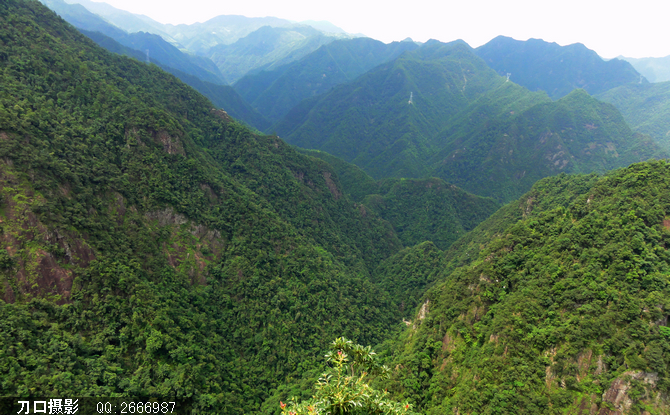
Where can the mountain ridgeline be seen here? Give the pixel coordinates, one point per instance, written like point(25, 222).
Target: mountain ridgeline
point(267, 47)
point(646, 108)
point(557, 70)
point(441, 111)
point(198, 72)
point(654, 69)
point(371, 122)
point(275, 92)
point(151, 45)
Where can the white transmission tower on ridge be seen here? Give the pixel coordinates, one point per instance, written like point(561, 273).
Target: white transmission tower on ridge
point(508, 75)
point(411, 94)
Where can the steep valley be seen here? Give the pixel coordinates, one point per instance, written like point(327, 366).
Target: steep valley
point(503, 252)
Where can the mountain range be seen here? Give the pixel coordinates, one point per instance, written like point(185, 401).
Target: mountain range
point(132, 209)
point(441, 111)
point(646, 108)
point(274, 92)
point(503, 248)
point(557, 70)
point(266, 47)
point(237, 44)
point(152, 46)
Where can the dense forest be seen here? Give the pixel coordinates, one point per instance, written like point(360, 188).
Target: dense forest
point(646, 108)
point(152, 246)
point(557, 70)
point(464, 124)
point(556, 304)
point(155, 247)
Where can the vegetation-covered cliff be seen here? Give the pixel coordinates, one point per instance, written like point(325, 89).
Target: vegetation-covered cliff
point(560, 305)
point(152, 246)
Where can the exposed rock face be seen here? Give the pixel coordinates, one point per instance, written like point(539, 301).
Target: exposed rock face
point(40, 260)
point(171, 145)
point(206, 243)
point(583, 364)
point(222, 114)
point(422, 314)
point(448, 342)
point(424, 310)
point(166, 217)
point(171, 142)
point(331, 185)
point(617, 396)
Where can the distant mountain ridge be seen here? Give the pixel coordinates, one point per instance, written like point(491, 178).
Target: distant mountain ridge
point(221, 30)
point(557, 70)
point(274, 92)
point(196, 71)
point(222, 96)
point(152, 44)
point(465, 124)
point(360, 120)
point(127, 21)
point(646, 108)
point(654, 69)
point(226, 39)
point(266, 48)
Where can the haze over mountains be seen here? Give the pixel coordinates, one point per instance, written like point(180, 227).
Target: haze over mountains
point(501, 241)
point(654, 69)
point(557, 70)
point(465, 124)
point(276, 91)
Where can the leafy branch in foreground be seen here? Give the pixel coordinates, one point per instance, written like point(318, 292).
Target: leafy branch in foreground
point(345, 386)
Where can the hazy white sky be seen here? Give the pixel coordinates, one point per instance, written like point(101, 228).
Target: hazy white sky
point(634, 29)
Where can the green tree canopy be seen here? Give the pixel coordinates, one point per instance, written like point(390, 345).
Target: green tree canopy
point(345, 387)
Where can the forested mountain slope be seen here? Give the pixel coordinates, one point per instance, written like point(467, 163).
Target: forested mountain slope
point(557, 70)
point(503, 156)
point(274, 92)
point(418, 209)
point(646, 108)
point(465, 125)
point(170, 56)
point(226, 98)
point(194, 71)
point(562, 306)
point(158, 245)
point(370, 121)
point(428, 210)
point(151, 45)
point(222, 96)
point(125, 20)
point(266, 48)
point(355, 182)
